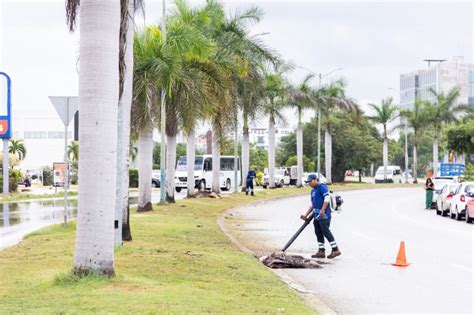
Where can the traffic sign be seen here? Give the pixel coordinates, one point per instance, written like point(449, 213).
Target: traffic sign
point(66, 107)
point(5, 106)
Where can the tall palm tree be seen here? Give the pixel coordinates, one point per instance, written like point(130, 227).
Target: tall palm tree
point(98, 98)
point(122, 208)
point(444, 110)
point(145, 111)
point(274, 103)
point(385, 113)
point(73, 151)
point(251, 93)
point(331, 98)
point(418, 119)
point(301, 98)
point(17, 147)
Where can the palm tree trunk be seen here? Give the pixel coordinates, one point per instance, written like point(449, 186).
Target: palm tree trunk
point(98, 99)
point(271, 151)
point(122, 208)
point(435, 155)
point(299, 151)
point(328, 154)
point(190, 157)
point(145, 167)
point(415, 161)
point(385, 158)
point(216, 165)
point(170, 167)
point(245, 154)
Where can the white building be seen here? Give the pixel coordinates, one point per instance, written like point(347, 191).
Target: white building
point(43, 139)
point(441, 77)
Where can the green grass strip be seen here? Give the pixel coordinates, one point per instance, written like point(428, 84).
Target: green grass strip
point(179, 262)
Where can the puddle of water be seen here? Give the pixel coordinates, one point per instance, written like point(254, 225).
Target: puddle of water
point(19, 219)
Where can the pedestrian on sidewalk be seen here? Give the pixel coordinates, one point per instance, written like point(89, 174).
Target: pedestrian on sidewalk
point(429, 186)
point(249, 182)
point(320, 206)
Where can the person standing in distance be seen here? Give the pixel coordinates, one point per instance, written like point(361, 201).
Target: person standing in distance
point(320, 206)
point(249, 182)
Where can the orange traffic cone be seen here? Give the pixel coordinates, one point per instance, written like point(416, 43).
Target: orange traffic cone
point(401, 257)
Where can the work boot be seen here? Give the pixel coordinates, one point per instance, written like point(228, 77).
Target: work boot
point(335, 252)
point(246, 192)
point(251, 193)
point(320, 254)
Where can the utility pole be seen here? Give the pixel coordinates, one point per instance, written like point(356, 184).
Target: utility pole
point(163, 122)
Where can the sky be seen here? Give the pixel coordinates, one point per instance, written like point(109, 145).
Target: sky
point(372, 41)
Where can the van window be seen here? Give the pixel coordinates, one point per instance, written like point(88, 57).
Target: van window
point(208, 164)
point(396, 172)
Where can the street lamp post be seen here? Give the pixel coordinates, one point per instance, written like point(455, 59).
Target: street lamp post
point(163, 124)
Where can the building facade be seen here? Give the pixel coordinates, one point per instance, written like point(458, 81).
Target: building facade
point(441, 77)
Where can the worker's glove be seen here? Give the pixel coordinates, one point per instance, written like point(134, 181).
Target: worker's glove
point(303, 217)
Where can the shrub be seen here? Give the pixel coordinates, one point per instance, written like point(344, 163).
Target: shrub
point(47, 176)
point(259, 179)
point(15, 177)
point(133, 177)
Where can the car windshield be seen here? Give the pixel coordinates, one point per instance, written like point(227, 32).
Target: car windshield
point(453, 188)
point(183, 164)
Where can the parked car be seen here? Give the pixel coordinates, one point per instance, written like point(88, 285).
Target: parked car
point(282, 177)
point(470, 207)
point(439, 183)
point(444, 198)
point(458, 204)
point(393, 175)
point(155, 179)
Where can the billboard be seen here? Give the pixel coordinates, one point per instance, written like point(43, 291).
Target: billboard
point(59, 174)
point(5, 106)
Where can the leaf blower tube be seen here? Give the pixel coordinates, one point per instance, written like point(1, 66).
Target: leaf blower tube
point(295, 236)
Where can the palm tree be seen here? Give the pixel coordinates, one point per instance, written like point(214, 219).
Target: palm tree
point(274, 103)
point(144, 112)
point(122, 208)
point(300, 97)
point(418, 119)
point(385, 113)
point(73, 151)
point(443, 111)
point(331, 98)
point(98, 98)
point(17, 147)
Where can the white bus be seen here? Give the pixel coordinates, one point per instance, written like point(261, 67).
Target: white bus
point(203, 172)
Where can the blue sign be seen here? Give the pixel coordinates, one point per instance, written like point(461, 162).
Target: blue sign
point(452, 169)
point(5, 106)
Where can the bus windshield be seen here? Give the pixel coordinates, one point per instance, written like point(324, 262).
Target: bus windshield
point(183, 164)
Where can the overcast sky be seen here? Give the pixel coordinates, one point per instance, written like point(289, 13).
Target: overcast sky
point(373, 41)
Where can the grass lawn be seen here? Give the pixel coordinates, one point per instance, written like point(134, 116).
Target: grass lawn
point(178, 262)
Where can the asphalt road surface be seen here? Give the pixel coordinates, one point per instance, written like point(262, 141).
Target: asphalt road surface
point(369, 229)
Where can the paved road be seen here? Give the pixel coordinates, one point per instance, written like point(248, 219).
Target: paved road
point(440, 278)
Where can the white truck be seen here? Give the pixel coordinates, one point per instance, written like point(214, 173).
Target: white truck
point(282, 177)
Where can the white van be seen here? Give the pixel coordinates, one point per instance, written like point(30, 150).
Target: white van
point(203, 172)
point(394, 175)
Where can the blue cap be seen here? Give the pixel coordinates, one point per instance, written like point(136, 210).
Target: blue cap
point(311, 177)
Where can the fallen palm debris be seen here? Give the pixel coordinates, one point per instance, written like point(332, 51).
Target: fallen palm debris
point(282, 260)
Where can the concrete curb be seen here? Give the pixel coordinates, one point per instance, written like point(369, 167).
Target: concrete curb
point(309, 297)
